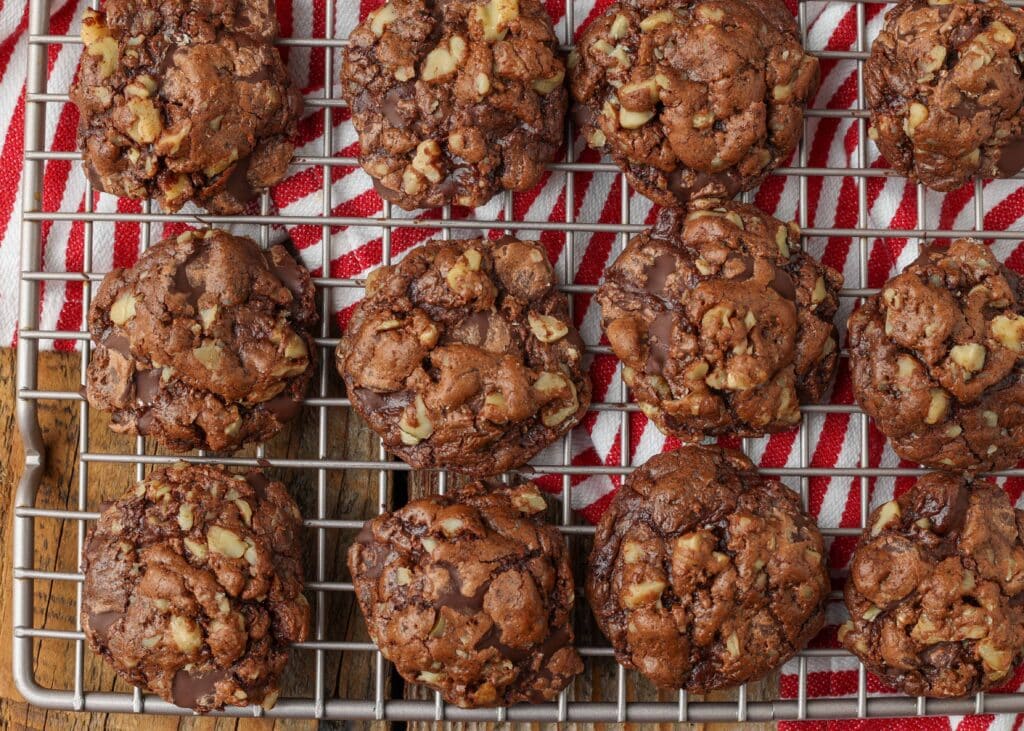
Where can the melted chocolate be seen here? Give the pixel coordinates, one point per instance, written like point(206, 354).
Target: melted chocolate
point(966, 108)
point(699, 181)
point(456, 599)
point(374, 555)
point(188, 690)
point(373, 401)
point(657, 273)
point(147, 386)
point(739, 268)
point(555, 642)
point(949, 517)
point(391, 108)
point(145, 422)
point(238, 185)
point(292, 275)
point(493, 639)
point(183, 283)
point(783, 284)
point(101, 622)
point(667, 225)
point(283, 408)
point(659, 335)
point(118, 343)
point(259, 483)
point(964, 32)
point(1011, 157)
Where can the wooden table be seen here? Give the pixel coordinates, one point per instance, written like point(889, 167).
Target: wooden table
point(349, 495)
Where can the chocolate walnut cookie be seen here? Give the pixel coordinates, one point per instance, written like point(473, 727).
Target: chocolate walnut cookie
point(944, 85)
point(693, 99)
point(204, 343)
point(937, 360)
point(936, 589)
point(704, 574)
point(722, 323)
point(471, 594)
point(463, 356)
point(193, 586)
point(455, 101)
point(184, 100)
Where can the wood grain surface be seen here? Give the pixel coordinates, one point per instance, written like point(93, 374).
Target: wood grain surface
point(351, 494)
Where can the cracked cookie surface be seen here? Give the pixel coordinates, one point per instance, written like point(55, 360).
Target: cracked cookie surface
point(722, 323)
point(936, 589)
point(704, 574)
point(193, 586)
point(183, 100)
point(937, 360)
point(463, 356)
point(944, 85)
point(693, 100)
point(204, 343)
point(471, 594)
point(455, 101)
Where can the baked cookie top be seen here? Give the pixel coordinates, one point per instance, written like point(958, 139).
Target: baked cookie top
point(193, 586)
point(471, 594)
point(463, 356)
point(204, 343)
point(455, 101)
point(945, 90)
point(704, 574)
point(694, 100)
point(937, 360)
point(936, 588)
point(722, 323)
point(184, 100)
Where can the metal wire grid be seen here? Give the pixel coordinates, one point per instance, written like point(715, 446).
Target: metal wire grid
point(379, 706)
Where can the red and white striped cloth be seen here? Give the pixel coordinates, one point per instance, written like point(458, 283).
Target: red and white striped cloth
point(832, 202)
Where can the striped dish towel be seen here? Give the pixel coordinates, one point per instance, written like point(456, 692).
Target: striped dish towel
point(832, 202)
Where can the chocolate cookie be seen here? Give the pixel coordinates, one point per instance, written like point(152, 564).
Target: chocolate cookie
point(455, 101)
point(463, 356)
point(471, 594)
point(722, 323)
point(193, 586)
point(945, 90)
point(936, 589)
point(937, 360)
point(704, 574)
point(183, 100)
point(695, 98)
point(204, 343)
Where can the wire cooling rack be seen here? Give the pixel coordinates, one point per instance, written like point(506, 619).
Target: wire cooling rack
point(612, 704)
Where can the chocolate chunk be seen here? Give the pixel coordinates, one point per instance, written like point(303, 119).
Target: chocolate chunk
point(147, 385)
point(204, 569)
point(1011, 157)
point(704, 574)
point(470, 594)
point(195, 691)
point(101, 622)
